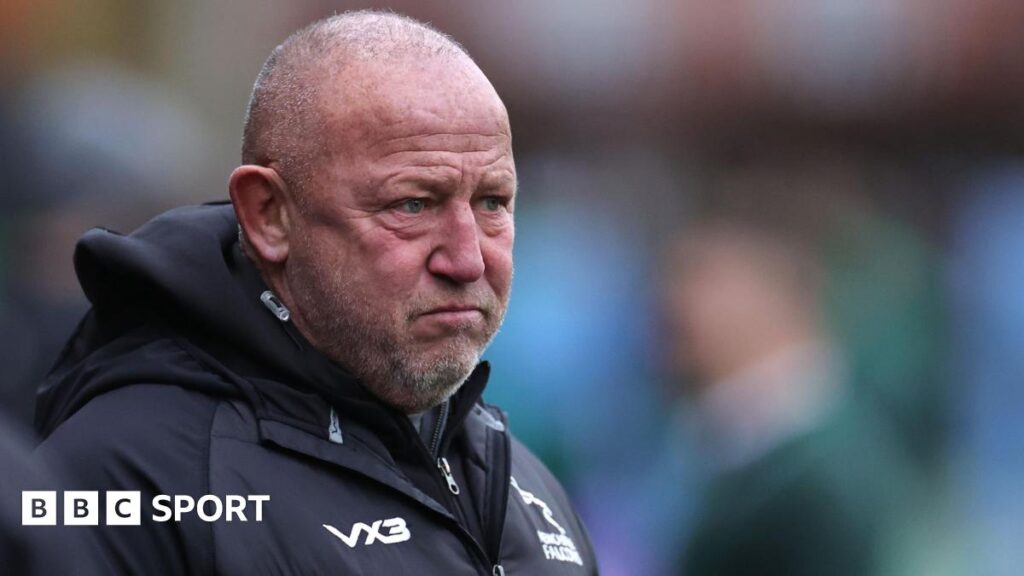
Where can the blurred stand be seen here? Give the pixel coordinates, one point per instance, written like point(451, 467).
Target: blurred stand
point(987, 278)
point(100, 146)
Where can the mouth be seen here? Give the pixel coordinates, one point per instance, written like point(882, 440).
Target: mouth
point(454, 310)
point(454, 313)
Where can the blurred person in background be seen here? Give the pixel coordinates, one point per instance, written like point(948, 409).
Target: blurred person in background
point(84, 140)
point(97, 143)
point(808, 478)
point(17, 387)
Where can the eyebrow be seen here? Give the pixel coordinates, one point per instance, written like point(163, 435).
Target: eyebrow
point(426, 175)
point(443, 179)
point(503, 179)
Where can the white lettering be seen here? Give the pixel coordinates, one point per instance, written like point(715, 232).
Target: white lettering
point(160, 503)
point(38, 508)
point(124, 508)
point(559, 547)
point(397, 531)
point(81, 508)
point(201, 508)
point(259, 500)
point(563, 553)
point(183, 504)
point(234, 505)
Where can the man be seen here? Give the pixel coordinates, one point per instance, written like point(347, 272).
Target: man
point(319, 354)
point(806, 476)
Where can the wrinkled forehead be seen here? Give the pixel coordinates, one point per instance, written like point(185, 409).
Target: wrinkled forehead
point(374, 103)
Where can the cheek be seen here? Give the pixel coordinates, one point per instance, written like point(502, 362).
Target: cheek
point(497, 254)
point(392, 265)
point(319, 250)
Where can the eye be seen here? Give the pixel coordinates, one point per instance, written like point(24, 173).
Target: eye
point(412, 205)
point(493, 203)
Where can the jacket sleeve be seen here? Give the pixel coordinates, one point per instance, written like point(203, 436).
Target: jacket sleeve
point(151, 439)
point(29, 550)
point(588, 548)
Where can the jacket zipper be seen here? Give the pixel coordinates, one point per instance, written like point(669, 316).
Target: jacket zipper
point(446, 472)
point(442, 421)
point(496, 530)
point(435, 445)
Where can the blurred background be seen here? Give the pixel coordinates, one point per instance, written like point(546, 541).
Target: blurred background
point(769, 303)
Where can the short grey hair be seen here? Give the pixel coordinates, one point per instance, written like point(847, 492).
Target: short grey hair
point(283, 117)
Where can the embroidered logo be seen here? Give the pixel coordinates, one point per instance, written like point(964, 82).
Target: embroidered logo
point(334, 430)
point(556, 545)
point(394, 531)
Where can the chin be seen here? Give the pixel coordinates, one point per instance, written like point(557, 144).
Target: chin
point(448, 369)
point(415, 384)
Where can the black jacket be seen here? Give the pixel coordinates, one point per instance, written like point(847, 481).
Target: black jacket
point(180, 381)
point(30, 550)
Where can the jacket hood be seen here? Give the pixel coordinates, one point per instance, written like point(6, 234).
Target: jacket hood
point(177, 302)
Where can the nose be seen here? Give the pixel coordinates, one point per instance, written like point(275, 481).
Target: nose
point(457, 255)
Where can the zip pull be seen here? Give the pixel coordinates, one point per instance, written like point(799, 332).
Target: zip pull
point(498, 570)
point(275, 306)
point(446, 471)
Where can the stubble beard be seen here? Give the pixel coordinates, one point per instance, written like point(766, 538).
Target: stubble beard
point(368, 342)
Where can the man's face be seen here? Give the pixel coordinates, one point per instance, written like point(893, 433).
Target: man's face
point(732, 294)
point(400, 258)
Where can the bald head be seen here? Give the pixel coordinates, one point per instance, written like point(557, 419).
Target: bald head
point(334, 57)
point(376, 199)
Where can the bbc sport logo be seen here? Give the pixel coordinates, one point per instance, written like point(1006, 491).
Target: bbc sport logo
point(124, 508)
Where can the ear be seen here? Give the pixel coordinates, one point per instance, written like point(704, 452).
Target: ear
point(262, 207)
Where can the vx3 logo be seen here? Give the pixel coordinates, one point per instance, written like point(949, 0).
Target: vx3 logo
point(396, 529)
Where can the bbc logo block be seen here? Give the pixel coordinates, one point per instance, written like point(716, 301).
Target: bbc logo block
point(125, 508)
point(81, 508)
point(38, 508)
